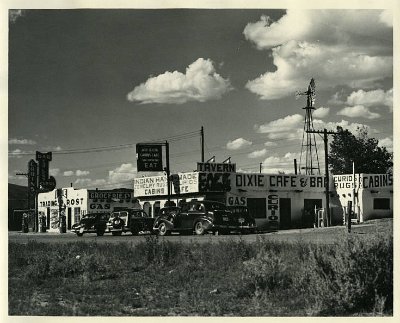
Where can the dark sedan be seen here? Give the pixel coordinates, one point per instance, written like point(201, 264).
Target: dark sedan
point(91, 223)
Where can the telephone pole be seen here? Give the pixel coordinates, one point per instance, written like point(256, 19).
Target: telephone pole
point(325, 133)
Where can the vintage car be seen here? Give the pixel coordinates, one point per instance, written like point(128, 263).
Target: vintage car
point(247, 223)
point(200, 217)
point(91, 223)
point(130, 220)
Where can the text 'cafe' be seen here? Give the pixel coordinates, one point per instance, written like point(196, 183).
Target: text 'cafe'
point(290, 199)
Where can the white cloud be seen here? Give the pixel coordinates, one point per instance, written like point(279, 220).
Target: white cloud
point(340, 47)
point(358, 111)
point(54, 171)
point(257, 153)
point(275, 164)
point(386, 17)
point(68, 173)
point(371, 98)
point(270, 144)
point(82, 173)
point(14, 14)
point(15, 141)
point(238, 143)
point(386, 142)
point(289, 127)
point(352, 127)
point(321, 112)
point(122, 174)
point(199, 83)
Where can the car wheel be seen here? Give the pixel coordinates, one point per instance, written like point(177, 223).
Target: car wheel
point(79, 234)
point(100, 233)
point(162, 229)
point(199, 228)
point(116, 233)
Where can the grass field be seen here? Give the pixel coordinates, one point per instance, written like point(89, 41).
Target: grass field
point(351, 275)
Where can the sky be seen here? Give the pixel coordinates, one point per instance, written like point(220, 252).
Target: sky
point(89, 84)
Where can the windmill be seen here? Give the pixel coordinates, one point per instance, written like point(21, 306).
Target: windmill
point(308, 145)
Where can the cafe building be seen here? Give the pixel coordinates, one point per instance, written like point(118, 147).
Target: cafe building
point(291, 200)
point(75, 203)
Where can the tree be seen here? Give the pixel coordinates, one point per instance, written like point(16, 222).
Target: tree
point(368, 157)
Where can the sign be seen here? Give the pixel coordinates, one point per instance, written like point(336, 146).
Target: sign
point(32, 182)
point(110, 195)
point(273, 208)
point(43, 159)
point(157, 185)
point(216, 167)
point(226, 182)
point(149, 158)
point(363, 181)
point(48, 185)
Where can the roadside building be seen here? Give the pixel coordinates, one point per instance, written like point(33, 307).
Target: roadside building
point(289, 200)
point(370, 194)
point(77, 202)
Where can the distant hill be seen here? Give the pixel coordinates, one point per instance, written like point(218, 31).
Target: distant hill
point(17, 192)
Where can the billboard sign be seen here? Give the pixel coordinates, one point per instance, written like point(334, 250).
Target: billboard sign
point(149, 157)
point(157, 185)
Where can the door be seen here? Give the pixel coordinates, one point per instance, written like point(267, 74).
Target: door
point(308, 218)
point(285, 210)
point(48, 218)
point(257, 207)
point(69, 218)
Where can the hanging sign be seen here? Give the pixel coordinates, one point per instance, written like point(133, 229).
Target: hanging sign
point(149, 158)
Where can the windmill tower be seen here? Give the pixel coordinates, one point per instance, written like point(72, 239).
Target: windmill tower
point(309, 150)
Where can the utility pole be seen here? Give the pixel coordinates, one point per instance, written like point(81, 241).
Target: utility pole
point(202, 144)
point(260, 167)
point(325, 133)
point(168, 171)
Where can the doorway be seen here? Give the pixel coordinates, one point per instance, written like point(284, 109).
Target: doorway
point(285, 208)
point(308, 217)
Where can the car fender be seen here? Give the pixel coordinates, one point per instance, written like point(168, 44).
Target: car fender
point(169, 224)
point(206, 222)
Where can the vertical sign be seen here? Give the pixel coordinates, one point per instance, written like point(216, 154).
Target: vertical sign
point(149, 158)
point(32, 182)
point(273, 210)
point(46, 183)
point(43, 159)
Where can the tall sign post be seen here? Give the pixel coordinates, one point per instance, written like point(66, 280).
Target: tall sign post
point(149, 159)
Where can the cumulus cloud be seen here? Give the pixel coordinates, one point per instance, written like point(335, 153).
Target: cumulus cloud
point(200, 83)
point(275, 164)
point(340, 47)
point(90, 183)
point(321, 112)
point(54, 171)
point(68, 173)
point(386, 142)
point(15, 141)
point(122, 174)
point(238, 144)
point(288, 127)
point(14, 14)
point(270, 144)
point(82, 173)
point(358, 111)
point(257, 153)
point(351, 126)
point(371, 98)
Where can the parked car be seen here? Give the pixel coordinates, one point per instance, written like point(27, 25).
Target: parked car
point(130, 220)
point(91, 223)
point(200, 217)
point(247, 223)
